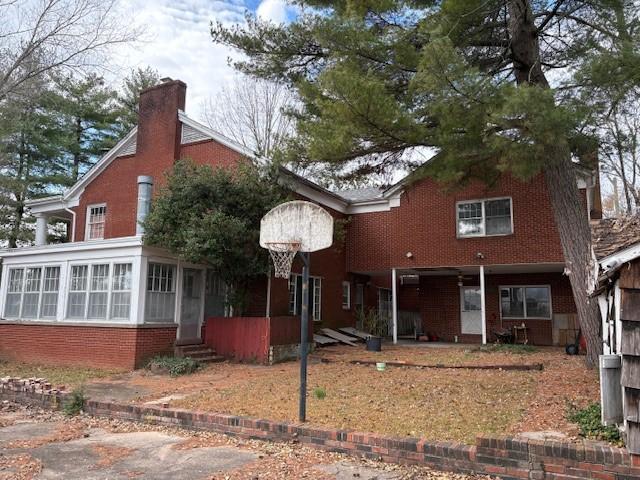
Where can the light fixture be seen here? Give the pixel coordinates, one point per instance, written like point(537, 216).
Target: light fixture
point(409, 255)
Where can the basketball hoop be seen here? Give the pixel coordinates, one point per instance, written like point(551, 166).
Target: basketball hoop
point(282, 254)
point(285, 230)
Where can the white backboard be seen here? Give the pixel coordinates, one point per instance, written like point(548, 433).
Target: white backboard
point(303, 222)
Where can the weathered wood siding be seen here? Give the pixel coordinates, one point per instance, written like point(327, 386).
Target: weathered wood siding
point(630, 348)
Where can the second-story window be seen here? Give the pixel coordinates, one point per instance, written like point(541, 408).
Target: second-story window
point(96, 217)
point(484, 217)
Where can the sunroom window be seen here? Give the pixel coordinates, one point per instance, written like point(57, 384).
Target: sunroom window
point(484, 217)
point(32, 292)
point(76, 304)
point(525, 302)
point(161, 293)
point(121, 291)
point(99, 293)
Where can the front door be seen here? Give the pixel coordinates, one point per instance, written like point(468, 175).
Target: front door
point(191, 304)
point(470, 311)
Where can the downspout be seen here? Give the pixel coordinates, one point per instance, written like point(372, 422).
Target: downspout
point(73, 220)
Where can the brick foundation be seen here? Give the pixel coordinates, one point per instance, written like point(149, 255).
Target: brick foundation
point(505, 457)
point(123, 348)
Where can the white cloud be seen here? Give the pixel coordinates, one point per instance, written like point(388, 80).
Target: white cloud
point(276, 11)
point(177, 43)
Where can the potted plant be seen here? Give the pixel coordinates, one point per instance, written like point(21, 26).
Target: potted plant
point(376, 326)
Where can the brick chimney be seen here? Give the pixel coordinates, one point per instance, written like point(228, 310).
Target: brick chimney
point(159, 130)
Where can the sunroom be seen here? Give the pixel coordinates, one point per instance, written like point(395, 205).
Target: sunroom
point(115, 282)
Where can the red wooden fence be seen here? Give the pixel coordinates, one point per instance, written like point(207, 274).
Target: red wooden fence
point(249, 338)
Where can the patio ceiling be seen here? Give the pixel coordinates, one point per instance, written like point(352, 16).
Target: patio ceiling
point(473, 270)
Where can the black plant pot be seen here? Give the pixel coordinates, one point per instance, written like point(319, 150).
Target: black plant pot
point(374, 344)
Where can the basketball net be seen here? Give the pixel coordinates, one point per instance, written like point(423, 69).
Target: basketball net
point(282, 254)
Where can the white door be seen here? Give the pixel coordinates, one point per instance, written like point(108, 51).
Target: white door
point(191, 304)
point(470, 311)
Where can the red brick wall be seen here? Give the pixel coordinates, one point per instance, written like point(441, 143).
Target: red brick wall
point(425, 224)
point(99, 347)
point(440, 305)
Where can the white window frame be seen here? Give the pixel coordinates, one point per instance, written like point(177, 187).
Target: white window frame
point(526, 317)
point(42, 291)
point(43, 267)
point(316, 308)
point(347, 305)
point(87, 226)
point(176, 277)
point(113, 290)
point(482, 202)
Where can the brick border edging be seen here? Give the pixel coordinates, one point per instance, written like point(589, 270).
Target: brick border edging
point(503, 456)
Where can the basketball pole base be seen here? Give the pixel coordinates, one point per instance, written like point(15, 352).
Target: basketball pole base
point(304, 334)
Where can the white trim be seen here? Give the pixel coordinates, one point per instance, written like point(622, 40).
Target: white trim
point(76, 190)
point(524, 300)
point(87, 219)
point(218, 137)
point(615, 260)
point(484, 218)
point(110, 243)
point(346, 306)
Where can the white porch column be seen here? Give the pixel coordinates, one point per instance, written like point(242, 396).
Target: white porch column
point(483, 306)
point(394, 302)
point(41, 229)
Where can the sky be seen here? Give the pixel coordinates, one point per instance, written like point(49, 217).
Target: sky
point(177, 43)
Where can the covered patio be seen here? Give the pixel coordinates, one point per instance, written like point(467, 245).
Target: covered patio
point(472, 303)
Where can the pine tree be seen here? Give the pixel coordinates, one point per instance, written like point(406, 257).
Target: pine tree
point(469, 78)
point(87, 113)
point(129, 97)
point(31, 159)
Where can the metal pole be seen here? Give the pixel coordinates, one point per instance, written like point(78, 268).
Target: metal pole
point(483, 306)
point(304, 333)
point(394, 296)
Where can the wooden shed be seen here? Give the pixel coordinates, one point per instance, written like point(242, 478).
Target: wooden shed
point(617, 247)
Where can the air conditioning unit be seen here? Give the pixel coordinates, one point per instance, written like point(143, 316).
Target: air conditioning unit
point(409, 279)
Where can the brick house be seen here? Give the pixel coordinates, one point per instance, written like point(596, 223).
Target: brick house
point(459, 265)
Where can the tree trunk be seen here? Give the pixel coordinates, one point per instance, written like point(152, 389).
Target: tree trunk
point(575, 237)
point(569, 211)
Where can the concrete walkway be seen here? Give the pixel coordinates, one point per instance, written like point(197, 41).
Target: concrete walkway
point(50, 447)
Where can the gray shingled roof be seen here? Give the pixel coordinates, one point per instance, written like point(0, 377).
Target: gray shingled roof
point(610, 235)
point(361, 194)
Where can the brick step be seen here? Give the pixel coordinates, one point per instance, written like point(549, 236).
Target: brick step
point(210, 359)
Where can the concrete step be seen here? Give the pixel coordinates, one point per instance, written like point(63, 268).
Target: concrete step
point(199, 352)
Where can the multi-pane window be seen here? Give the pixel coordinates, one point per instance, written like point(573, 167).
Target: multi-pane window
point(77, 301)
point(14, 293)
point(50, 288)
point(121, 291)
point(346, 295)
point(525, 302)
point(96, 217)
point(315, 296)
point(32, 292)
point(484, 217)
point(161, 293)
point(99, 291)
point(31, 296)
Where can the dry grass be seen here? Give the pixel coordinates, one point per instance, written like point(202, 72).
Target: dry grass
point(70, 377)
point(436, 404)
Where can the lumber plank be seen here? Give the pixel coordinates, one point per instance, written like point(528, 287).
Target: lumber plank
point(342, 338)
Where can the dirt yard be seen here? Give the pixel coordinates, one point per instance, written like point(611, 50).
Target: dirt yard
point(436, 403)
